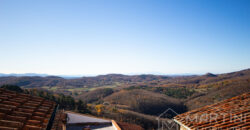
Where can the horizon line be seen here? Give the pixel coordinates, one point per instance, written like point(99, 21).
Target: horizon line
point(129, 74)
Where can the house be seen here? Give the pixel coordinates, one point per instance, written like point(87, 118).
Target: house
point(233, 113)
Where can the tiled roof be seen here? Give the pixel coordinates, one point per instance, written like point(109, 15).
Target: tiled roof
point(24, 112)
point(128, 126)
point(228, 114)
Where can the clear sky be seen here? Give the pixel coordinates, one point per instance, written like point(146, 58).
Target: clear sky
point(82, 37)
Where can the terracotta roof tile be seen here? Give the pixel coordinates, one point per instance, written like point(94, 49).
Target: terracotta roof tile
point(21, 111)
point(227, 114)
point(128, 126)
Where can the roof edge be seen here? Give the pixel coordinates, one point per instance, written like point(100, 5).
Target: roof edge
point(115, 125)
point(182, 124)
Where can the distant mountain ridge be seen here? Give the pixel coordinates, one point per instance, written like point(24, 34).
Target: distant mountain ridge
point(24, 74)
point(39, 80)
point(79, 76)
point(39, 75)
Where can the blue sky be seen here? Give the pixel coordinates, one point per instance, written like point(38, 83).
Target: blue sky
point(90, 37)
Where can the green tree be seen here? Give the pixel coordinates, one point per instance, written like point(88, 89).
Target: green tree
point(12, 88)
point(82, 107)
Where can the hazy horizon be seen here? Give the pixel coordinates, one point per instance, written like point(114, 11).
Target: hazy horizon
point(124, 37)
point(130, 74)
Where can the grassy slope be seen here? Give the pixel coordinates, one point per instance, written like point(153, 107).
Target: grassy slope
point(219, 91)
point(145, 101)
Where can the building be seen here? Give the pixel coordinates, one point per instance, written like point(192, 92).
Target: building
point(233, 113)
